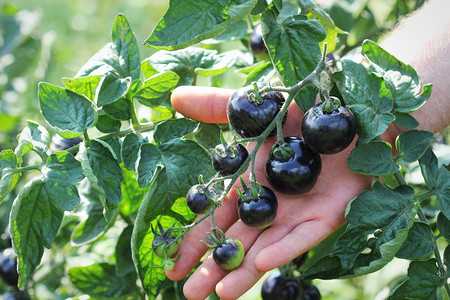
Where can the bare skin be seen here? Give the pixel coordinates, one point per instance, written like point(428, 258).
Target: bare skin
point(304, 221)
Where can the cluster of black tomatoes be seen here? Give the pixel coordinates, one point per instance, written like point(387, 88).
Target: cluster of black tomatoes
point(292, 167)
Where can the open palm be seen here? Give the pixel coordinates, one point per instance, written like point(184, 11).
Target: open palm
point(301, 221)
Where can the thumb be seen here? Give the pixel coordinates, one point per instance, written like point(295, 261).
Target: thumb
point(204, 104)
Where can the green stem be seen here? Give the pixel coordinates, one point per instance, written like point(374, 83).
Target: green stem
point(134, 118)
point(399, 177)
point(29, 168)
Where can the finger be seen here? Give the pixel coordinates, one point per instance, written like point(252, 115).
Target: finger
point(191, 248)
point(299, 240)
point(236, 283)
point(204, 104)
point(204, 280)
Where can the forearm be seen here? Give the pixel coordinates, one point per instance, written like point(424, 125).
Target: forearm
point(422, 41)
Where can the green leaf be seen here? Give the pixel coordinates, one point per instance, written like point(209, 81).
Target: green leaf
point(62, 166)
point(189, 62)
point(130, 150)
point(98, 280)
point(119, 110)
point(93, 223)
point(419, 243)
point(401, 79)
point(103, 171)
point(132, 194)
point(257, 72)
point(119, 63)
point(447, 256)
point(127, 49)
point(8, 163)
point(33, 137)
point(366, 96)
point(315, 12)
point(237, 30)
point(405, 120)
point(188, 22)
point(106, 124)
point(124, 260)
point(443, 224)
point(38, 210)
point(423, 282)
point(294, 48)
point(438, 179)
point(374, 158)
point(183, 159)
point(156, 90)
point(379, 209)
point(412, 144)
point(86, 86)
point(65, 109)
point(208, 136)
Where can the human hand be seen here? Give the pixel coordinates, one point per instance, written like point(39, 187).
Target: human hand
point(301, 221)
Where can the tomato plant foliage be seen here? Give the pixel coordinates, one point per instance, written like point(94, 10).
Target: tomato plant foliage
point(139, 158)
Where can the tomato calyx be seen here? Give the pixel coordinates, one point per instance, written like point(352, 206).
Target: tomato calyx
point(253, 192)
point(282, 151)
point(331, 104)
point(165, 245)
point(254, 95)
point(216, 238)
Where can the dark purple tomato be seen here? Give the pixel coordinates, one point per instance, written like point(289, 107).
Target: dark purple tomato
point(259, 211)
point(298, 173)
point(275, 287)
point(198, 199)
point(229, 255)
point(310, 292)
point(328, 133)
point(247, 117)
point(228, 161)
point(256, 43)
point(300, 260)
point(8, 267)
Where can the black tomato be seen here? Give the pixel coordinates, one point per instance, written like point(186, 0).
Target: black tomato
point(230, 254)
point(328, 133)
point(300, 260)
point(256, 43)
point(247, 117)
point(59, 143)
point(260, 210)
point(310, 292)
point(298, 173)
point(275, 287)
point(8, 267)
point(198, 199)
point(228, 161)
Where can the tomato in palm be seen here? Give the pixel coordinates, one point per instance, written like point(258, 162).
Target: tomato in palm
point(296, 173)
point(230, 254)
point(228, 160)
point(328, 132)
point(275, 287)
point(248, 116)
point(258, 206)
point(198, 199)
